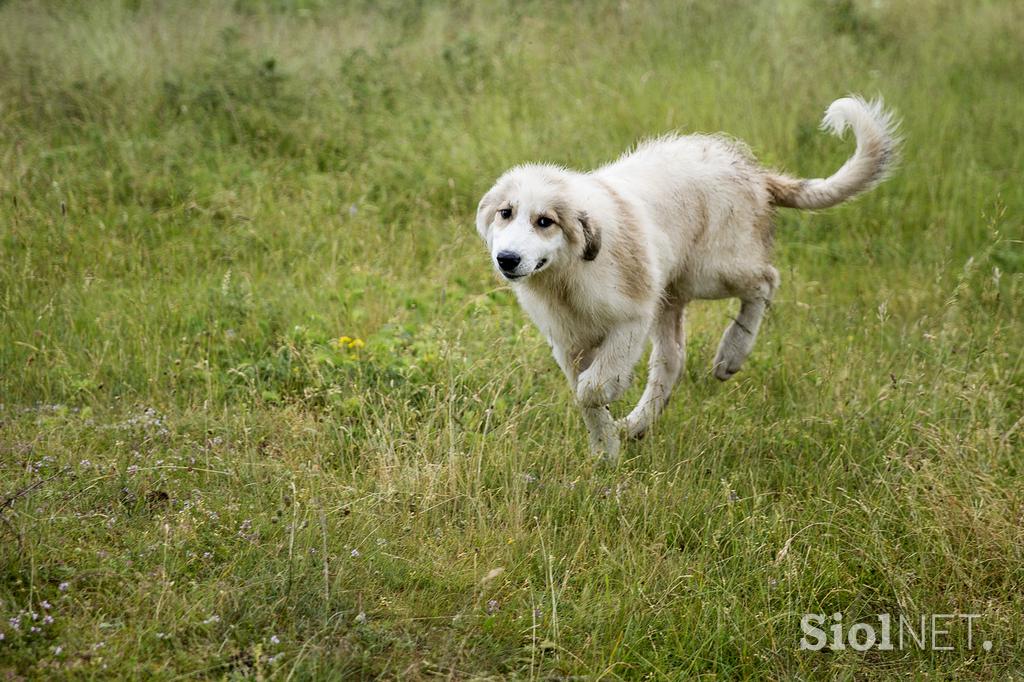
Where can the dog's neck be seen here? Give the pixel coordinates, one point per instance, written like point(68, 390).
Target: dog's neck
point(560, 287)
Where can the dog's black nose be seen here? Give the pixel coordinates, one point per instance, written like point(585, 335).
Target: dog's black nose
point(508, 261)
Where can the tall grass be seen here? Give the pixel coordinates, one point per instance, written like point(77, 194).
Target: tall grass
point(266, 412)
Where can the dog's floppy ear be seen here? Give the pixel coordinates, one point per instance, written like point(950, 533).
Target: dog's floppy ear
point(486, 210)
point(591, 236)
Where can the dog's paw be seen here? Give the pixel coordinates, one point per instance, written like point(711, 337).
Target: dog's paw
point(594, 390)
point(728, 360)
point(732, 351)
point(606, 448)
point(724, 371)
point(632, 428)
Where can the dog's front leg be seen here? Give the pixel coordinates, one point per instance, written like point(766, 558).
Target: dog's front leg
point(611, 371)
point(604, 433)
point(666, 363)
point(601, 428)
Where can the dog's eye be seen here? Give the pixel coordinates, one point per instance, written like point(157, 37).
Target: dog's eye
point(544, 221)
point(505, 213)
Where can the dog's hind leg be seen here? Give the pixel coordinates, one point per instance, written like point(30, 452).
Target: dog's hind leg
point(739, 337)
point(668, 356)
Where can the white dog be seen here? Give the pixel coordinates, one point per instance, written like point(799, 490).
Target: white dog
point(603, 260)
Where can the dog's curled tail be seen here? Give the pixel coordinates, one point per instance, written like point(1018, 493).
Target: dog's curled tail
point(876, 130)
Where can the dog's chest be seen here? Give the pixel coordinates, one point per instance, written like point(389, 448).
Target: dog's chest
point(565, 317)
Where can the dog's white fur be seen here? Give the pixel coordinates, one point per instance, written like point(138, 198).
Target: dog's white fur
point(603, 260)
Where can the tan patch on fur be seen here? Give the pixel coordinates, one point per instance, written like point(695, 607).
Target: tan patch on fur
point(567, 222)
point(703, 217)
point(627, 251)
point(783, 189)
point(555, 289)
point(550, 231)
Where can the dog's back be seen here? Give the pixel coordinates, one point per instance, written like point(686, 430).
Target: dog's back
point(706, 202)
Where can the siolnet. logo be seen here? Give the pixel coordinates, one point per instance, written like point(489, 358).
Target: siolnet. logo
point(935, 632)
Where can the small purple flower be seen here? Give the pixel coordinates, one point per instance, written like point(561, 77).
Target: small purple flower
point(63, 587)
point(355, 553)
point(46, 605)
point(47, 619)
point(492, 606)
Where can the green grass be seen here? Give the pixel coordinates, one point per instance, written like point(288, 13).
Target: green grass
point(198, 199)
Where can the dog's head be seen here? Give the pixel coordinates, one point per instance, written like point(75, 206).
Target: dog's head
point(532, 221)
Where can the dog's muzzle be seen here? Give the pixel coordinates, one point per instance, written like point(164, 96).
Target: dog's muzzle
point(508, 262)
point(511, 265)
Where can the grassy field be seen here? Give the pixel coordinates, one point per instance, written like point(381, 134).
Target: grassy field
point(267, 412)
